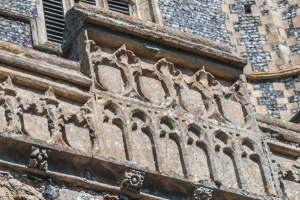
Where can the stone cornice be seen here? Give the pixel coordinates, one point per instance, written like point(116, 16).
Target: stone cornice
point(42, 63)
point(180, 48)
point(273, 75)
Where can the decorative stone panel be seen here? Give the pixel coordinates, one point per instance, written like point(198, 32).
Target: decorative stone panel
point(133, 180)
point(202, 194)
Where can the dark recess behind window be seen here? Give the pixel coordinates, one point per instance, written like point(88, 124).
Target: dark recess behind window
point(54, 19)
point(119, 6)
point(92, 2)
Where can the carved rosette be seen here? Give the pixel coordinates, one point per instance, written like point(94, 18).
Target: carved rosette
point(133, 180)
point(202, 193)
point(39, 158)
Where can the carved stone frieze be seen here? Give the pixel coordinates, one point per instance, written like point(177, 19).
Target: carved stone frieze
point(123, 73)
point(46, 119)
point(202, 193)
point(39, 158)
point(10, 110)
point(133, 180)
point(115, 73)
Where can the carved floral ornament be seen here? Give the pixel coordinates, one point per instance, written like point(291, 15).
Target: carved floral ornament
point(45, 119)
point(133, 180)
point(202, 193)
point(124, 74)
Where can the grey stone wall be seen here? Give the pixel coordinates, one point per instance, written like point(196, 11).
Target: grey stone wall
point(269, 97)
point(27, 7)
point(200, 17)
point(278, 95)
point(15, 31)
point(289, 14)
point(251, 38)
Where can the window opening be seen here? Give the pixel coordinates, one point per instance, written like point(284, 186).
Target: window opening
point(92, 2)
point(54, 19)
point(247, 8)
point(119, 7)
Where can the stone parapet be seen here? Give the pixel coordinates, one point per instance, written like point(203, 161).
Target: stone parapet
point(140, 111)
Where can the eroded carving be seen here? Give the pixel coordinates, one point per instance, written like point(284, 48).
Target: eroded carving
point(113, 131)
point(160, 84)
point(224, 154)
point(198, 154)
point(79, 129)
point(252, 164)
point(156, 84)
point(202, 193)
point(170, 145)
point(115, 73)
point(39, 158)
point(143, 140)
point(10, 107)
point(133, 180)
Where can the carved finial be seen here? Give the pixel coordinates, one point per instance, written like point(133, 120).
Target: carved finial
point(297, 163)
point(50, 97)
point(8, 83)
point(8, 88)
point(202, 193)
point(133, 180)
point(50, 93)
point(123, 47)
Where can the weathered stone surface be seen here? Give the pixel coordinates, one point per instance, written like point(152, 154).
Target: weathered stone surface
point(142, 123)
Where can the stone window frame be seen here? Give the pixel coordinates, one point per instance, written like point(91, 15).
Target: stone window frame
point(138, 8)
point(27, 19)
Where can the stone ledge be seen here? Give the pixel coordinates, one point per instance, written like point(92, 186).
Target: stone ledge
point(42, 63)
point(83, 13)
point(273, 75)
point(69, 165)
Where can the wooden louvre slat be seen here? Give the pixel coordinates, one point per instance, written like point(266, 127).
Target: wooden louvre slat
point(54, 18)
point(92, 2)
point(119, 6)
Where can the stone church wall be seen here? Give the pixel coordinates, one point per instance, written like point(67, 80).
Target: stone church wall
point(25, 7)
point(265, 33)
point(199, 17)
point(15, 31)
point(14, 21)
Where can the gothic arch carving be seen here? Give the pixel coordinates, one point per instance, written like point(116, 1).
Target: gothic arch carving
point(197, 95)
point(225, 160)
point(115, 73)
point(197, 148)
point(155, 84)
point(251, 161)
point(79, 129)
point(143, 139)
point(113, 131)
point(171, 147)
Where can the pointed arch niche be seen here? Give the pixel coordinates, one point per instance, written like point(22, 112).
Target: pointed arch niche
point(171, 147)
point(113, 131)
point(198, 154)
point(225, 162)
point(252, 165)
point(143, 145)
